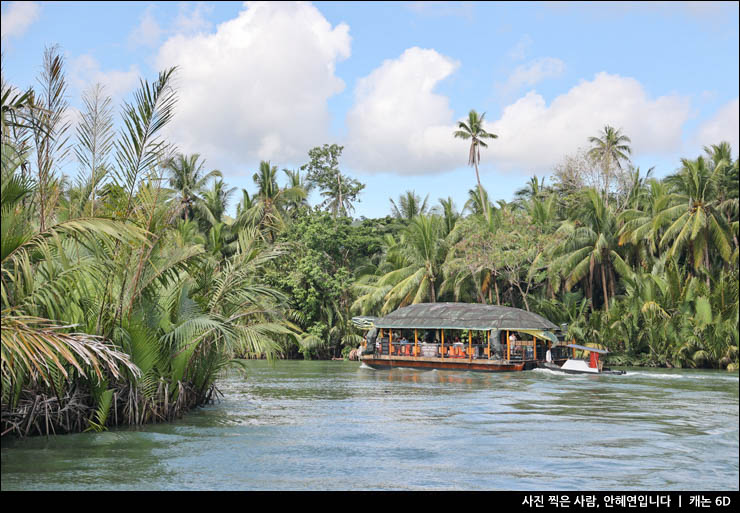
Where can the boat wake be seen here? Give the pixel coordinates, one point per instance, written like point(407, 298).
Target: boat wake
point(659, 375)
point(556, 373)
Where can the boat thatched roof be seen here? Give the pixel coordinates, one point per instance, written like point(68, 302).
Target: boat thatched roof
point(463, 316)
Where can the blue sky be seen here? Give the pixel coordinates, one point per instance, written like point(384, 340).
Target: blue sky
point(390, 80)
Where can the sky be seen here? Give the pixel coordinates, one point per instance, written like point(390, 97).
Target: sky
point(390, 80)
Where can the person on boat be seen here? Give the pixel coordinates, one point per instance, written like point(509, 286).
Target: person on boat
point(512, 344)
point(548, 356)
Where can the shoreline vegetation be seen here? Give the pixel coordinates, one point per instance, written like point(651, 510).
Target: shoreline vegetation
point(126, 289)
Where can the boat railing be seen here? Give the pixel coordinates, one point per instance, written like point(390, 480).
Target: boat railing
point(519, 350)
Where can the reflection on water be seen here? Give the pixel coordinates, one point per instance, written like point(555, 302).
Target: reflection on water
point(339, 425)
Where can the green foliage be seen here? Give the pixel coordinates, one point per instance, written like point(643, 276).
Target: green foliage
point(340, 191)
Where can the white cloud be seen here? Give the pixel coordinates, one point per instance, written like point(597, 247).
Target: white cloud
point(85, 72)
point(533, 136)
point(258, 87)
point(398, 123)
point(17, 18)
point(148, 32)
point(532, 73)
point(192, 21)
point(723, 126)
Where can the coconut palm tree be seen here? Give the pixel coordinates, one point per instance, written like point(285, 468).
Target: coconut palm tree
point(478, 202)
point(589, 241)
point(728, 180)
point(449, 213)
point(534, 189)
point(424, 250)
point(189, 179)
point(610, 148)
point(474, 131)
point(268, 210)
point(213, 204)
point(409, 206)
point(642, 225)
point(695, 219)
point(300, 188)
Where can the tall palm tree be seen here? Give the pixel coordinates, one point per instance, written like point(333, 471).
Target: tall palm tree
point(695, 218)
point(189, 179)
point(728, 180)
point(589, 241)
point(474, 131)
point(610, 148)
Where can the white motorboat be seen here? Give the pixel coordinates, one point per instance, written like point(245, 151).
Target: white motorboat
point(593, 365)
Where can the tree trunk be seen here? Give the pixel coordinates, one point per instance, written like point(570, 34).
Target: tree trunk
point(524, 296)
point(339, 183)
point(706, 260)
point(484, 203)
point(612, 281)
point(603, 286)
point(590, 292)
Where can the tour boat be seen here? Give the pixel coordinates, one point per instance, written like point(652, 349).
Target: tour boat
point(580, 366)
point(458, 336)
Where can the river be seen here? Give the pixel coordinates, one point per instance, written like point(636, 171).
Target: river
point(322, 425)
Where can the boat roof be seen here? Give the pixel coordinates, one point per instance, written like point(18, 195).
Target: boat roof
point(464, 316)
point(586, 348)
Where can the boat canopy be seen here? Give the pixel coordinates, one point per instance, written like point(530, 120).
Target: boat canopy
point(586, 348)
point(460, 316)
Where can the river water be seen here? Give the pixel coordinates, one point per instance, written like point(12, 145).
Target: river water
point(299, 425)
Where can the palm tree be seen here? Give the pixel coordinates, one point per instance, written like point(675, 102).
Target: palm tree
point(423, 251)
point(474, 131)
point(588, 241)
point(189, 179)
point(214, 202)
point(642, 225)
point(409, 206)
point(533, 189)
point(269, 203)
point(696, 219)
point(478, 202)
point(610, 149)
point(300, 188)
point(449, 213)
point(727, 180)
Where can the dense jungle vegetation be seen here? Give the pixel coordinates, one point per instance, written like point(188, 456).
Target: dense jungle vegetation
point(127, 288)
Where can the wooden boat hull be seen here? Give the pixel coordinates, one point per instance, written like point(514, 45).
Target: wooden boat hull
point(557, 368)
point(479, 365)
